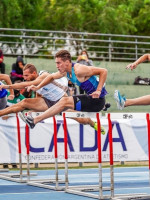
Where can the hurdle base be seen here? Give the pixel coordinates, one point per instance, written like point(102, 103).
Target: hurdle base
point(4, 170)
point(16, 177)
point(88, 188)
point(132, 196)
point(86, 194)
point(47, 183)
point(83, 191)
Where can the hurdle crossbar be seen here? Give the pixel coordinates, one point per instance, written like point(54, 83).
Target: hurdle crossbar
point(129, 116)
point(81, 114)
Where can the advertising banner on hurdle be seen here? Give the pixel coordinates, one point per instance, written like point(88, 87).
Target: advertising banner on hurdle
point(129, 141)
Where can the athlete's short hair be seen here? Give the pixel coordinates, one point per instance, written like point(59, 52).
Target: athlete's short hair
point(64, 55)
point(30, 67)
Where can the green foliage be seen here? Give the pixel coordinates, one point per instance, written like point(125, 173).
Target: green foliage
point(111, 16)
point(96, 16)
point(20, 14)
point(143, 19)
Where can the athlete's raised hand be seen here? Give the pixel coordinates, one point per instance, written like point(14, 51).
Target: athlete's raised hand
point(131, 66)
point(32, 87)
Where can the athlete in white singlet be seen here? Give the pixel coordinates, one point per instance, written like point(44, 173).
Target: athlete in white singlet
point(46, 96)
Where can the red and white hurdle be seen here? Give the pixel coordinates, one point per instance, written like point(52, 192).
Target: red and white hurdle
point(55, 183)
point(84, 190)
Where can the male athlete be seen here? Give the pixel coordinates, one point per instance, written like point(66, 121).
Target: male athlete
point(48, 95)
point(83, 76)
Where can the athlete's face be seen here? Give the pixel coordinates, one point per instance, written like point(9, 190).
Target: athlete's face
point(61, 65)
point(28, 76)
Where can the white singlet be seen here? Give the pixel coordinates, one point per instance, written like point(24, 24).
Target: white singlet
point(54, 90)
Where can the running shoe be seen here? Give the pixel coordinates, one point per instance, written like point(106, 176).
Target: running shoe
point(102, 128)
point(27, 119)
point(22, 116)
point(120, 100)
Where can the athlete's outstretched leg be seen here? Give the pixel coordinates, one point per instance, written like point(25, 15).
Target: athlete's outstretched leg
point(123, 102)
point(35, 104)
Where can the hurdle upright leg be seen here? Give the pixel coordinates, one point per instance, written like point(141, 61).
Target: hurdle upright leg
point(99, 155)
point(55, 151)
point(66, 150)
point(19, 146)
point(148, 132)
point(111, 155)
point(28, 149)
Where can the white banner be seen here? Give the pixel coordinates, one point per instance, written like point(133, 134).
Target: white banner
point(129, 141)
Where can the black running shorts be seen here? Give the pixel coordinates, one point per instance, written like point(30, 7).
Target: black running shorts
point(3, 102)
point(49, 102)
point(88, 104)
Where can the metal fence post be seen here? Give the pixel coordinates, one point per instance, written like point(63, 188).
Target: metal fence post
point(110, 47)
point(136, 49)
point(24, 44)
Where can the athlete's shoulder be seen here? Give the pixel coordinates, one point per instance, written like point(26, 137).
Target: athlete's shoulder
point(43, 72)
point(62, 81)
point(57, 75)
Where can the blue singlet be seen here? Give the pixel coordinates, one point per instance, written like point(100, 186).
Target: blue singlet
point(89, 86)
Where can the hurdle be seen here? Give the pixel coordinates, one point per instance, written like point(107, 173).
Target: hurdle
point(82, 190)
point(53, 184)
point(115, 116)
point(148, 127)
point(4, 170)
point(17, 177)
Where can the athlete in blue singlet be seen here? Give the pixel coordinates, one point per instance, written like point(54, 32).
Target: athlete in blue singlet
point(89, 86)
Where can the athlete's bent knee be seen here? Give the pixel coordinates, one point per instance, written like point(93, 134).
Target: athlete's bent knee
point(66, 102)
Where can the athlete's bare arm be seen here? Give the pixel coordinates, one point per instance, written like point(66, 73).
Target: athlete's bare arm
point(46, 81)
point(26, 83)
point(138, 61)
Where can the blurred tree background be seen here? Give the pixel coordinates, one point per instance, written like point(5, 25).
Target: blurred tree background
point(95, 16)
point(128, 17)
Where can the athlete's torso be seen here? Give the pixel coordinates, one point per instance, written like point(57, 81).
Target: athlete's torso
point(54, 90)
point(89, 86)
